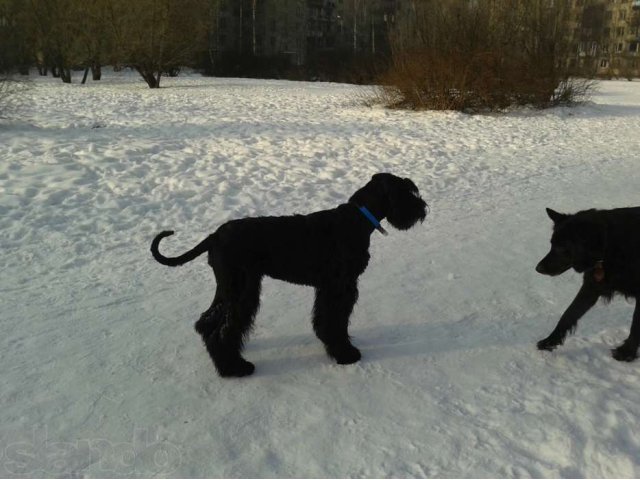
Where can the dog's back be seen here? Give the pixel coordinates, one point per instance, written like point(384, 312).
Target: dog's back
point(622, 227)
point(298, 248)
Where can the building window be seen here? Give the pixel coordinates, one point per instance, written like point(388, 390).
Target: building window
point(604, 63)
point(620, 31)
point(619, 47)
point(633, 47)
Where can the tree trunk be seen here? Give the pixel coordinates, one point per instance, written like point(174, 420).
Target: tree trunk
point(253, 14)
point(65, 74)
point(355, 27)
point(149, 77)
point(373, 36)
point(84, 77)
point(96, 71)
point(240, 29)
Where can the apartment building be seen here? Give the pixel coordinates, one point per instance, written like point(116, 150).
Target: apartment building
point(605, 37)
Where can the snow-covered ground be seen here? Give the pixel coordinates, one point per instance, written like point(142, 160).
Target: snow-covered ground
point(103, 374)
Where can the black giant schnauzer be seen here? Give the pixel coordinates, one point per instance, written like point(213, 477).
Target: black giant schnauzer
point(327, 250)
point(603, 245)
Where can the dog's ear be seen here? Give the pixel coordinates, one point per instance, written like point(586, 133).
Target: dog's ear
point(555, 216)
point(410, 185)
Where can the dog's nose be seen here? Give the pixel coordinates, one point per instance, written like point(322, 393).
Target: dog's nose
point(539, 268)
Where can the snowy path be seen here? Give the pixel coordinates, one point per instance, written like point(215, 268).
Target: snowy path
point(103, 374)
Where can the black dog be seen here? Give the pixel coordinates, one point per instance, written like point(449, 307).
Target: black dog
point(327, 250)
point(603, 245)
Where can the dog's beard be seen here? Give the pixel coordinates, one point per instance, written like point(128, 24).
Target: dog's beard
point(406, 217)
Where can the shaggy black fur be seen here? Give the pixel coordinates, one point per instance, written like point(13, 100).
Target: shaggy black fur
point(603, 245)
point(327, 250)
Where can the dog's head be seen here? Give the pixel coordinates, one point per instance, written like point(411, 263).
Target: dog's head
point(577, 242)
point(394, 198)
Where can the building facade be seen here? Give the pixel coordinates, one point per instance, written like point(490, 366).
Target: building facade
point(605, 37)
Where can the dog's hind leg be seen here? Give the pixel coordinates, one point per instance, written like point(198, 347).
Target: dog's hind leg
point(211, 319)
point(331, 311)
point(628, 351)
point(225, 325)
point(585, 299)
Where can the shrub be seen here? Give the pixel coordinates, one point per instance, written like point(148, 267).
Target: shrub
point(479, 55)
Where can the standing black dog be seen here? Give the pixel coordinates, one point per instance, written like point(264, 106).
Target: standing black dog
point(327, 250)
point(603, 245)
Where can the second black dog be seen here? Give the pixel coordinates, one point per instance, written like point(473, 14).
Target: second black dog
point(327, 250)
point(603, 245)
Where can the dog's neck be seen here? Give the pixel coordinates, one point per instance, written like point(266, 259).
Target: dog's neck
point(373, 203)
point(367, 217)
point(374, 221)
point(598, 271)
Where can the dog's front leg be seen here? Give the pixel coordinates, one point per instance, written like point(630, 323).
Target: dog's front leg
point(331, 312)
point(585, 299)
point(628, 351)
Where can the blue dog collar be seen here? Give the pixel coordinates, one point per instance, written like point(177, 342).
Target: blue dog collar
point(373, 220)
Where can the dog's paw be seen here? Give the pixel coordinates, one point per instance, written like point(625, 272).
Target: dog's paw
point(624, 353)
point(346, 355)
point(241, 368)
point(549, 344)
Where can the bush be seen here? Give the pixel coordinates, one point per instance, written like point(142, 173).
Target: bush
point(479, 56)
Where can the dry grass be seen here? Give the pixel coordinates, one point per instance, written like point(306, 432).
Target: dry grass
point(10, 89)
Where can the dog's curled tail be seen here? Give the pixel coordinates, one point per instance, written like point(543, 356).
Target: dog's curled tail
point(196, 251)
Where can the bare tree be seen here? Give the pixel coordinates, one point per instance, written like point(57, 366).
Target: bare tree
point(353, 15)
point(158, 37)
point(56, 26)
point(94, 36)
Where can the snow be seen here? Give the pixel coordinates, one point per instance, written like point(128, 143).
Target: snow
point(103, 374)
